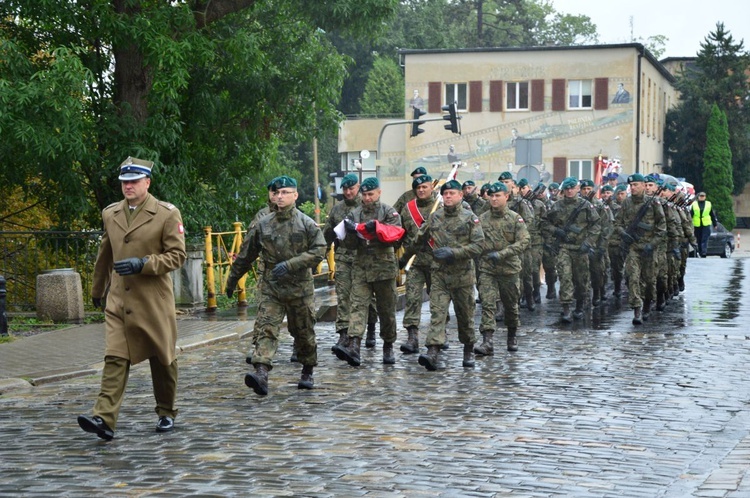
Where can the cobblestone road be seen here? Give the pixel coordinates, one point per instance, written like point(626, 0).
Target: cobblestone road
point(600, 409)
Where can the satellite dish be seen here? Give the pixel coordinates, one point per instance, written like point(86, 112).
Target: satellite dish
point(364, 154)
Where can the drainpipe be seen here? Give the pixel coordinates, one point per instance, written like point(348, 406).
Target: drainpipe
point(638, 114)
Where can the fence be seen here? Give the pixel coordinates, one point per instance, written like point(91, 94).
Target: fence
point(27, 254)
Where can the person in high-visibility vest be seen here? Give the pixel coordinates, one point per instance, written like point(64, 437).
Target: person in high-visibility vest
point(703, 219)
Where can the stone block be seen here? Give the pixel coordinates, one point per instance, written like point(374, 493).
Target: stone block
point(59, 296)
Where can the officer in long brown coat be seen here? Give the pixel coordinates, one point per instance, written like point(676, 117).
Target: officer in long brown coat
point(143, 241)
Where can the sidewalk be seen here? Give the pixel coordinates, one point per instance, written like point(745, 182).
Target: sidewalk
point(75, 351)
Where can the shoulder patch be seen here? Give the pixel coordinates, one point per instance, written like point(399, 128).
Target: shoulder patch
point(520, 220)
point(166, 205)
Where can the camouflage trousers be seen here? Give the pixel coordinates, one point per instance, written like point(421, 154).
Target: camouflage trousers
point(300, 315)
point(573, 272)
point(598, 269)
point(416, 279)
point(673, 272)
point(616, 264)
point(343, 296)
point(535, 253)
point(662, 268)
point(441, 295)
point(362, 293)
point(549, 263)
point(683, 261)
point(640, 271)
point(527, 272)
point(504, 288)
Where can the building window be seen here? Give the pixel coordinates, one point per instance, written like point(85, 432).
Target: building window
point(579, 94)
point(517, 96)
point(456, 92)
point(581, 168)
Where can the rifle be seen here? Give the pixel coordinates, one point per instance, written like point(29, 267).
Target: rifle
point(569, 223)
point(438, 200)
point(633, 229)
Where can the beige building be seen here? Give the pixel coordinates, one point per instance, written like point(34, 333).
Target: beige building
point(543, 113)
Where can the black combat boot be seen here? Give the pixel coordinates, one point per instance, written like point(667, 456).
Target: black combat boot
point(512, 341)
point(661, 302)
point(578, 312)
point(388, 358)
point(603, 294)
point(306, 379)
point(351, 352)
point(537, 292)
point(566, 316)
point(343, 339)
point(551, 292)
point(595, 299)
point(430, 358)
point(468, 356)
point(486, 348)
point(618, 289)
point(637, 319)
point(370, 339)
point(681, 284)
point(411, 345)
point(258, 381)
point(646, 309)
point(530, 305)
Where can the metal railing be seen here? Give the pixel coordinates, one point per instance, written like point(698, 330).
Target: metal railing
point(24, 255)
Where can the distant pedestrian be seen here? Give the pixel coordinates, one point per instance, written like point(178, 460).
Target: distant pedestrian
point(704, 218)
point(143, 241)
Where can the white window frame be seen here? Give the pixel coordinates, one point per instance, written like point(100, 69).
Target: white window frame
point(453, 93)
point(582, 91)
point(581, 168)
point(517, 105)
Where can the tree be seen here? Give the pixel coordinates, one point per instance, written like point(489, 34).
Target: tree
point(384, 91)
point(719, 77)
point(206, 89)
point(717, 176)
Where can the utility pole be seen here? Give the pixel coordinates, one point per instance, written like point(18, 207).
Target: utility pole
point(316, 180)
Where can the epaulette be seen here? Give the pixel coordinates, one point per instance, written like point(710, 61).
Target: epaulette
point(166, 205)
point(112, 205)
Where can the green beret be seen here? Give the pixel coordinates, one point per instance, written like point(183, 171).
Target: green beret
point(469, 183)
point(670, 186)
point(636, 177)
point(522, 182)
point(587, 183)
point(485, 187)
point(505, 175)
point(284, 182)
point(419, 171)
point(369, 184)
point(270, 184)
point(608, 188)
point(420, 180)
point(349, 180)
point(497, 187)
point(554, 186)
point(450, 185)
point(569, 182)
point(621, 188)
point(650, 179)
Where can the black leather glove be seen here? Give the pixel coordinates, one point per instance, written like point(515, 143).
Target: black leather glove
point(648, 250)
point(280, 269)
point(560, 234)
point(494, 256)
point(97, 302)
point(130, 266)
point(586, 248)
point(402, 261)
point(350, 226)
point(370, 226)
point(627, 238)
point(443, 254)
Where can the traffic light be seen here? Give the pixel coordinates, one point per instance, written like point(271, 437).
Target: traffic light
point(452, 116)
point(415, 129)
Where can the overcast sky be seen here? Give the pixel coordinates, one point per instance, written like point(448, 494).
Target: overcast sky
point(685, 22)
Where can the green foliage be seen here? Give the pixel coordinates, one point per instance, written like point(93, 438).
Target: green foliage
point(717, 176)
point(384, 91)
point(719, 77)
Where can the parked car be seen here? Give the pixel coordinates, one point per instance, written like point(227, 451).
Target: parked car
point(721, 242)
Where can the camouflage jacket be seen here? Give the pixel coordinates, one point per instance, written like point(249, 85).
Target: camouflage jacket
point(652, 227)
point(584, 228)
point(477, 204)
point(345, 249)
point(505, 232)
point(422, 251)
point(375, 258)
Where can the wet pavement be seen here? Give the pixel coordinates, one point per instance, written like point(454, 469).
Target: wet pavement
point(598, 408)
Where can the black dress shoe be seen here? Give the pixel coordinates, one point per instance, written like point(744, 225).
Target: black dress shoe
point(96, 425)
point(165, 424)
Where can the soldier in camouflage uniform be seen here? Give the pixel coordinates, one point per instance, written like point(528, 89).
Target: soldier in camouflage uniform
point(505, 239)
point(535, 231)
point(549, 258)
point(574, 223)
point(472, 198)
point(375, 228)
point(456, 235)
point(688, 238)
point(674, 240)
point(484, 192)
point(654, 188)
point(413, 216)
point(641, 245)
point(616, 259)
point(523, 207)
point(598, 262)
point(344, 258)
point(290, 244)
point(400, 203)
